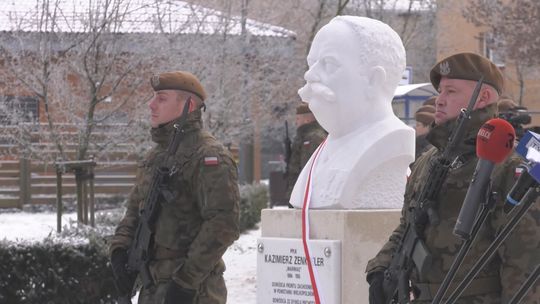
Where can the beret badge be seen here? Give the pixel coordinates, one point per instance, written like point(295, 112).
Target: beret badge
point(444, 68)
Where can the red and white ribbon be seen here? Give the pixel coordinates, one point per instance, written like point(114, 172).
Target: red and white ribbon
point(305, 226)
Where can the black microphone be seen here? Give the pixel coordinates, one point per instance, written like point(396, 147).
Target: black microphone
point(520, 187)
point(522, 119)
point(494, 143)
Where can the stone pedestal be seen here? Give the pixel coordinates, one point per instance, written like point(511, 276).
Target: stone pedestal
point(361, 232)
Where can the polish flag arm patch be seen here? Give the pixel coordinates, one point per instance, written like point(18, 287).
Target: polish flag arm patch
point(211, 161)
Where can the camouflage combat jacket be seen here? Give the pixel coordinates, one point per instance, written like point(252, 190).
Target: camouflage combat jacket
point(308, 137)
point(194, 230)
point(515, 259)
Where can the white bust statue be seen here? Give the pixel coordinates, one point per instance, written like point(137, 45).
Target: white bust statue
point(355, 65)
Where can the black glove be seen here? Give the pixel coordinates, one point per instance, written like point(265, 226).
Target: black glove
point(376, 292)
point(122, 279)
point(177, 294)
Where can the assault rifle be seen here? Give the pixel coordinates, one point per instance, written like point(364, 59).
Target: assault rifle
point(139, 252)
point(412, 251)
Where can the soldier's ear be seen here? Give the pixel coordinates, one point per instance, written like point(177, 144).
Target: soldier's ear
point(484, 98)
point(192, 104)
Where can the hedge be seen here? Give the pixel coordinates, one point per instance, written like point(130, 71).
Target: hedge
point(253, 198)
point(55, 273)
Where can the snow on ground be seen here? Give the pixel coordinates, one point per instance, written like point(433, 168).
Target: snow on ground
point(240, 259)
point(30, 226)
point(241, 273)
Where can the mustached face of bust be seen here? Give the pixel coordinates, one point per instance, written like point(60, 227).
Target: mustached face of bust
point(339, 88)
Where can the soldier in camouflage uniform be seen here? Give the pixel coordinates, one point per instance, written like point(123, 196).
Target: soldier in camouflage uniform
point(194, 230)
point(455, 78)
point(424, 118)
point(516, 115)
point(309, 135)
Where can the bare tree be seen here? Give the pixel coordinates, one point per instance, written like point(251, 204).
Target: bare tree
point(35, 48)
point(99, 59)
point(513, 28)
point(75, 61)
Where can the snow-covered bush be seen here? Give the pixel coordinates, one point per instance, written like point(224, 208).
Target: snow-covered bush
point(57, 272)
point(253, 198)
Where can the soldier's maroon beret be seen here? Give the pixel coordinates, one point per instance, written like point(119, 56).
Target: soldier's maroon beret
point(467, 66)
point(178, 80)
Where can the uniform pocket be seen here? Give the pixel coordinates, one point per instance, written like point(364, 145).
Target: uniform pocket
point(162, 270)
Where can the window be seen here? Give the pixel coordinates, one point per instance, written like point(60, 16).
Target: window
point(493, 47)
point(15, 109)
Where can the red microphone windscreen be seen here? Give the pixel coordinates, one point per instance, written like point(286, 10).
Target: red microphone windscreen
point(495, 140)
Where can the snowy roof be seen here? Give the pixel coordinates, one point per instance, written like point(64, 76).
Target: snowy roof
point(419, 89)
point(396, 5)
point(138, 16)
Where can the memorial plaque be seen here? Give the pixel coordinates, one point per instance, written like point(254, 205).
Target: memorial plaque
point(283, 276)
